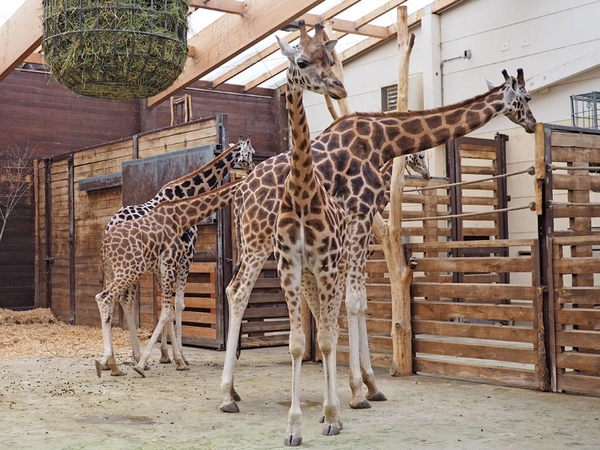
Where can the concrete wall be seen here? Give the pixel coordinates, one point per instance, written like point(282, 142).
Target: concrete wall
point(556, 43)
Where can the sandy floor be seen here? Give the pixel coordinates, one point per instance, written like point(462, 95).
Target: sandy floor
point(59, 403)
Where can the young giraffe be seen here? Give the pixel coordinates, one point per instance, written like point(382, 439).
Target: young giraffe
point(204, 179)
point(310, 231)
point(151, 243)
point(348, 156)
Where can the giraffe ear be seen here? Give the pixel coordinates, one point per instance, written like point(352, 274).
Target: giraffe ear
point(286, 48)
point(330, 44)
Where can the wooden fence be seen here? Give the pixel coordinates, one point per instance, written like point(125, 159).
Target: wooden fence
point(570, 190)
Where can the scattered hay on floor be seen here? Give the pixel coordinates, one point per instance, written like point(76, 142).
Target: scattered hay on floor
point(39, 333)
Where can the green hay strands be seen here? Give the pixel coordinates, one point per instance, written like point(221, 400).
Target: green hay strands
point(115, 49)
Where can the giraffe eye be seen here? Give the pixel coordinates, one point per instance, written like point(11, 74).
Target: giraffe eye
point(303, 64)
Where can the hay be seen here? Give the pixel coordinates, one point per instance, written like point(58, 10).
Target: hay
point(39, 333)
point(115, 49)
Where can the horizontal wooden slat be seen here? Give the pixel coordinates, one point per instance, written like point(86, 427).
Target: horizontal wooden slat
point(578, 361)
point(477, 265)
point(448, 246)
point(573, 382)
point(578, 338)
point(203, 267)
point(575, 183)
point(473, 290)
point(200, 288)
point(200, 302)
point(198, 332)
point(494, 332)
point(560, 211)
point(267, 312)
point(429, 310)
point(579, 295)
point(576, 265)
point(271, 325)
point(578, 316)
point(199, 317)
point(469, 350)
point(518, 377)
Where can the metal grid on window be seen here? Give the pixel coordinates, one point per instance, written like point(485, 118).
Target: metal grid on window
point(585, 110)
point(389, 97)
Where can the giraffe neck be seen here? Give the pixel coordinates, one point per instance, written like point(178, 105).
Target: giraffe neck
point(383, 136)
point(205, 179)
point(187, 212)
point(302, 168)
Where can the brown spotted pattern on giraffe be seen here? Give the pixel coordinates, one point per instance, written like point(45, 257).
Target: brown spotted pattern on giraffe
point(359, 200)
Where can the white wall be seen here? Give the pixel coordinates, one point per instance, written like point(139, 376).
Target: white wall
point(549, 39)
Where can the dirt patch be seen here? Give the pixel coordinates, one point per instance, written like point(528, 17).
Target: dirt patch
point(55, 401)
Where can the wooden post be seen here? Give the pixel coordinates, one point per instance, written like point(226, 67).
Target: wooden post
point(540, 167)
point(391, 237)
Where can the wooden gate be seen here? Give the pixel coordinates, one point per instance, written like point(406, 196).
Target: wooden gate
point(570, 226)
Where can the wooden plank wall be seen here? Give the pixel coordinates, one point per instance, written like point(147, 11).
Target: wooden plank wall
point(92, 211)
point(574, 243)
point(479, 331)
point(16, 250)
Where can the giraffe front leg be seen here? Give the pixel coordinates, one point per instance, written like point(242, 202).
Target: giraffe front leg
point(293, 435)
point(179, 361)
point(105, 305)
point(164, 348)
point(358, 400)
point(238, 292)
point(128, 304)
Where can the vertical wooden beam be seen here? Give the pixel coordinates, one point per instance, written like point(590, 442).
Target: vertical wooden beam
point(391, 235)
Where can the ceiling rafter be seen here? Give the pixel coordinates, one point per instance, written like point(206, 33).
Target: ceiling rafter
point(275, 47)
point(226, 6)
point(364, 20)
point(230, 35)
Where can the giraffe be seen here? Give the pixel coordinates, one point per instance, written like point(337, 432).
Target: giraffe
point(310, 231)
point(348, 157)
point(151, 243)
point(204, 179)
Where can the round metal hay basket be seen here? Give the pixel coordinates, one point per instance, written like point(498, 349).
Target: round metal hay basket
point(115, 49)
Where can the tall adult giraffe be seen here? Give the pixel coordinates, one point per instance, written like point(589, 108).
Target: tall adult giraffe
point(348, 156)
point(204, 179)
point(310, 231)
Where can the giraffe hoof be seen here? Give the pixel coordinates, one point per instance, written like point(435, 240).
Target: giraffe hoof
point(99, 368)
point(164, 360)
point(119, 373)
point(182, 367)
point(292, 441)
point(230, 408)
point(139, 370)
point(379, 397)
point(361, 405)
point(331, 430)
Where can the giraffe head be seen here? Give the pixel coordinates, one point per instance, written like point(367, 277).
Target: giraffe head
point(244, 159)
point(416, 161)
point(516, 100)
point(311, 62)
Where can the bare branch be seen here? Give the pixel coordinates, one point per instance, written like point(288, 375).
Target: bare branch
point(16, 179)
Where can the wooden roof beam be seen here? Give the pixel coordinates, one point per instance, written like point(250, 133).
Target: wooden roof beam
point(227, 6)
point(437, 7)
point(230, 35)
point(341, 7)
point(390, 31)
point(347, 26)
point(20, 35)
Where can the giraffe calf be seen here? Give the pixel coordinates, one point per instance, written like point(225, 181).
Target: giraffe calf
point(151, 243)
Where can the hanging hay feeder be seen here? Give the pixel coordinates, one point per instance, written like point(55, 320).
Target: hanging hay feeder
point(115, 49)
